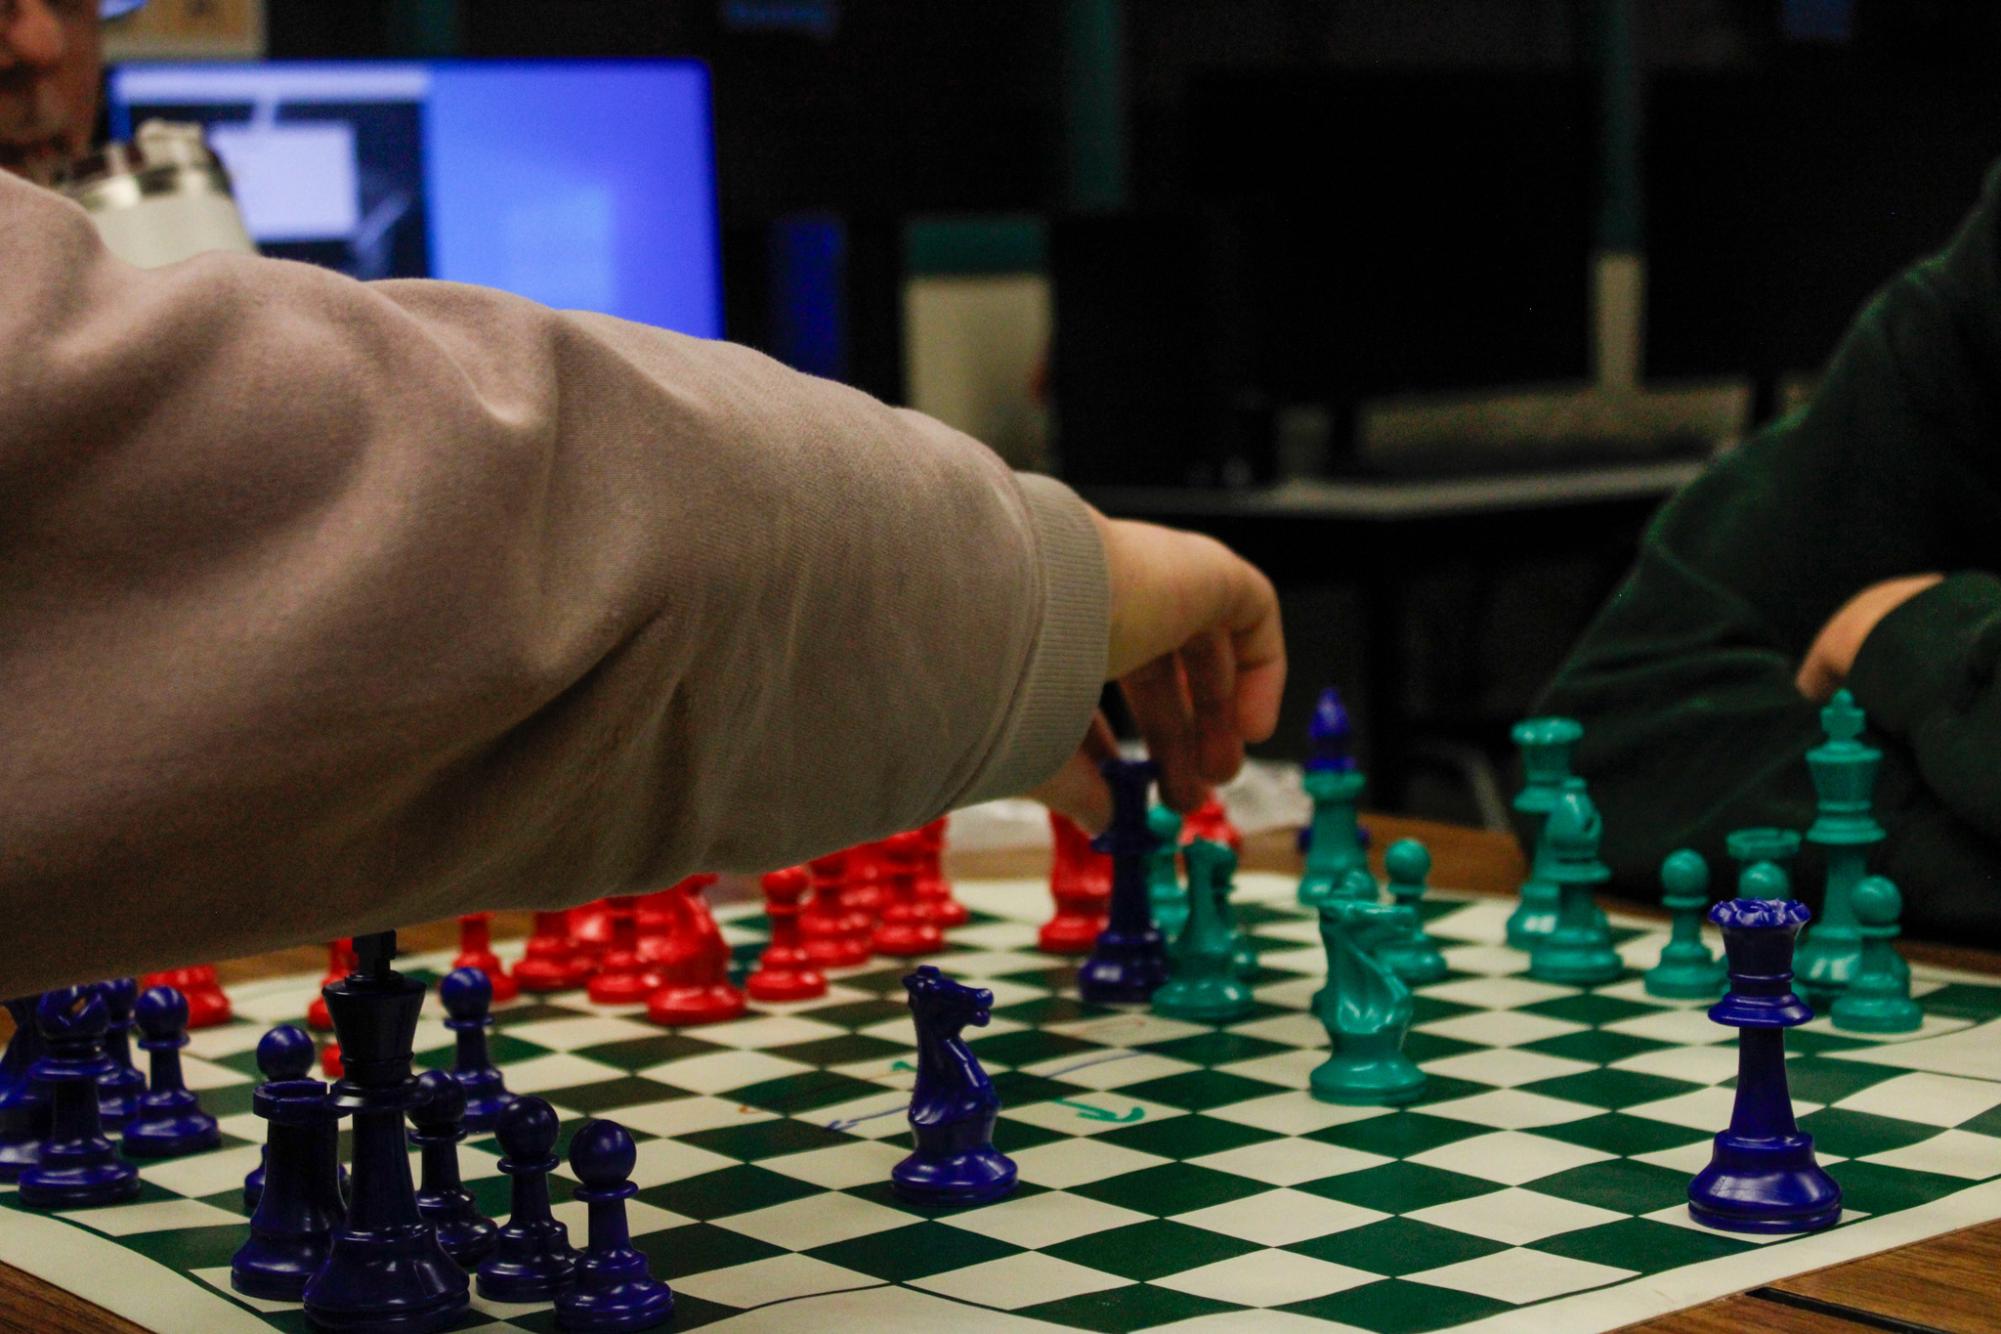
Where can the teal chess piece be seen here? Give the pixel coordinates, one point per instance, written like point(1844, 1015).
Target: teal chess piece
point(1545, 745)
point(1205, 986)
point(1163, 878)
point(1877, 998)
point(1358, 886)
point(1844, 771)
point(1243, 954)
point(1365, 1008)
point(1335, 849)
point(1687, 970)
point(1579, 952)
point(1764, 880)
point(1415, 957)
point(1748, 847)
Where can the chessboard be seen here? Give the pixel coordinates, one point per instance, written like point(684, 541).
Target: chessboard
point(1172, 1174)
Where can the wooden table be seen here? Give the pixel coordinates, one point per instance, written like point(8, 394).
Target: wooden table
point(1946, 1283)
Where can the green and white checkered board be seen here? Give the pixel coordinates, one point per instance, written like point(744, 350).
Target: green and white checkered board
point(1172, 1175)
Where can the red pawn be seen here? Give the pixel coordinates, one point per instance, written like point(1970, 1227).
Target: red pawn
point(330, 1062)
point(784, 972)
point(476, 951)
point(1080, 880)
point(934, 891)
point(590, 927)
point(695, 985)
point(622, 976)
point(905, 931)
point(834, 938)
point(1211, 821)
point(207, 1004)
point(863, 890)
point(340, 962)
point(552, 961)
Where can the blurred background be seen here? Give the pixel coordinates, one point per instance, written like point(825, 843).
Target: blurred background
point(1423, 306)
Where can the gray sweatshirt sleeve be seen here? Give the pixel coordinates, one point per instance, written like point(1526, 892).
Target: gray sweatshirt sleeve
point(328, 606)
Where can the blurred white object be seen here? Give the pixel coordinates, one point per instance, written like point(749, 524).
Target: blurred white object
point(159, 199)
point(1266, 795)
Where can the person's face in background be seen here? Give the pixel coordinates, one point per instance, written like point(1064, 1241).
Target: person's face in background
point(51, 61)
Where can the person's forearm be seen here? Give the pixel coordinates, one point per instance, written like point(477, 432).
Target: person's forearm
point(326, 607)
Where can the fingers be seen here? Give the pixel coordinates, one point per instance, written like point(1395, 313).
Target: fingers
point(1158, 695)
point(1210, 665)
point(1077, 789)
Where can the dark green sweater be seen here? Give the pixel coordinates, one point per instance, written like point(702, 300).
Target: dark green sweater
point(1684, 683)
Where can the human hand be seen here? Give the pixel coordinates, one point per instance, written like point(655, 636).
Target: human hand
point(1832, 654)
point(1197, 649)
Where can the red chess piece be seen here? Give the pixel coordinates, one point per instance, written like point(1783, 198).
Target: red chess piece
point(1211, 821)
point(622, 976)
point(590, 927)
point(1080, 880)
point(833, 938)
point(330, 1062)
point(695, 984)
point(663, 923)
point(862, 887)
point(340, 962)
point(552, 960)
point(207, 1003)
point(476, 951)
point(934, 891)
point(784, 972)
point(905, 931)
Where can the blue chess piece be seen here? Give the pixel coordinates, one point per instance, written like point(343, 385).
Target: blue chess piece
point(78, 1166)
point(384, 1268)
point(613, 1290)
point(1129, 962)
point(953, 1108)
point(1333, 843)
point(286, 1052)
point(169, 1120)
point(298, 1192)
point(24, 1107)
point(438, 1124)
point(1762, 1176)
point(468, 997)
point(532, 1260)
point(119, 1089)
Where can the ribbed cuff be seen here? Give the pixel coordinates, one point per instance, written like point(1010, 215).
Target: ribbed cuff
point(1060, 689)
point(1932, 654)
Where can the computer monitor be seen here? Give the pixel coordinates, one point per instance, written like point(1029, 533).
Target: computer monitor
point(582, 184)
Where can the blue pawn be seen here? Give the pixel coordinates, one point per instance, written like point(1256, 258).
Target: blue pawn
point(24, 1107)
point(169, 1121)
point(613, 1290)
point(532, 1260)
point(466, 1234)
point(118, 1091)
point(79, 1167)
point(468, 997)
point(1762, 1175)
point(298, 1184)
point(953, 1107)
point(286, 1052)
point(1129, 962)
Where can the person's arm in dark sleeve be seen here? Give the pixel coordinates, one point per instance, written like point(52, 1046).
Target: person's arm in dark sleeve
point(1685, 682)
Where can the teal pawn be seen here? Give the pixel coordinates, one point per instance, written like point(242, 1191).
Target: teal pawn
point(1415, 957)
point(1164, 891)
point(1748, 847)
point(1687, 970)
point(1878, 997)
point(1579, 952)
point(1205, 986)
point(1545, 745)
point(1243, 954)
point(1365, 1008)
point(1764, 880)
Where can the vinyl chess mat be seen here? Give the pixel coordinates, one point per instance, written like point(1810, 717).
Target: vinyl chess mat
point(1172, 1175)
